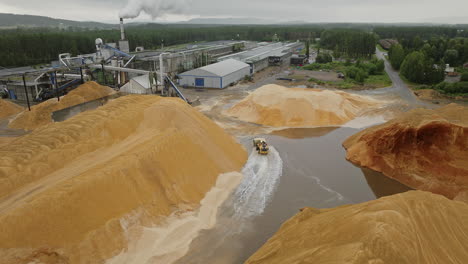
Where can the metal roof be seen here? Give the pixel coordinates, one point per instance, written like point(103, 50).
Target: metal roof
point(15, 71)
point(220, 69)
point(143, 80)
point(276, 49)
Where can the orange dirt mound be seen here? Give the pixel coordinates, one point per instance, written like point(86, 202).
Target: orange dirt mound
point(409, 228)
point(278, 106)
point(8, 108)
point(41, 114)
point(73, 187)
point(424, 149)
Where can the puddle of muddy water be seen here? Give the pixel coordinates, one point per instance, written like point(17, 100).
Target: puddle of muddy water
point(314, 173)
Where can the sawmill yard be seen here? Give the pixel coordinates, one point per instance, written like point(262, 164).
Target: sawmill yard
point(187, 143)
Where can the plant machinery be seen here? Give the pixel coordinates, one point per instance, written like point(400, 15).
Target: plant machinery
point(261, 146)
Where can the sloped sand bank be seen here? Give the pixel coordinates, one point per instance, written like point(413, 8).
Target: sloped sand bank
point(278, 106)
point(8, 108)
point(423, 149)
point(407, 228)
point(68, 189)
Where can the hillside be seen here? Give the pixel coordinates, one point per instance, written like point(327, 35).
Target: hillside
point(14, 20)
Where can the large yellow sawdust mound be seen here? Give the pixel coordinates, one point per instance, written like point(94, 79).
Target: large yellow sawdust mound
point(41, 114)
point(411, 228)
point(278, 106)
point(423, 149)
point(8, 108)
point(64, 188)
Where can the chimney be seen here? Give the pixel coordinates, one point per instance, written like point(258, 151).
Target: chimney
point(122, 31)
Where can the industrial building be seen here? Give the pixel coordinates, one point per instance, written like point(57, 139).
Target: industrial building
point(190, 57)
point(217, 75)
point(272, 54)
point(138, 85)
point(35, 86)
point(299, 60)
point(114, 65)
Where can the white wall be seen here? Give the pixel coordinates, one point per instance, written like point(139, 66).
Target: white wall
point(260, 65)
point(210, 81)
point(235, 76)
point(133, 87)
point(213, 81)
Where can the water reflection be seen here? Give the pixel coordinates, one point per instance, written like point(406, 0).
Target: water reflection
point(298, 133)
point(382, 185)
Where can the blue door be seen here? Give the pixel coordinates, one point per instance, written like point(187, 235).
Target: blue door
point(199, 82)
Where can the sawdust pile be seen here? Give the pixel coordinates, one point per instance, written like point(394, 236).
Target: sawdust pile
point(423, 149)
point(66, 188)
point(8, 108)
point(408, 228)
point(278, 106)
point(6, 140)
point(41, 114)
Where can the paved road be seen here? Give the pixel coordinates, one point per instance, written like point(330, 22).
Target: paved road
point(399, 86)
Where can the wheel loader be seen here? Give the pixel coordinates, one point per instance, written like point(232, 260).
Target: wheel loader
point(261, 146)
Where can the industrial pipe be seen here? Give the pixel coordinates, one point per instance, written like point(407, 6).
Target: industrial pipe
point(68, 55)
point(74, 76)
point(122, 30)
point(128, 62)
point(36, 83)
point(161, 70)
point(111, 68)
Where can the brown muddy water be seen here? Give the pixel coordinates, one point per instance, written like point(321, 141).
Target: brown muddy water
point(307, 167)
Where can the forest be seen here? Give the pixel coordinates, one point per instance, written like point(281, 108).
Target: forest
point(23, 47)
point(349, 43)
point(424, 32)
point(423, 60)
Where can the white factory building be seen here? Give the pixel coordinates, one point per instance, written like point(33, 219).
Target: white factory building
point(217, 75)
point(138, 85)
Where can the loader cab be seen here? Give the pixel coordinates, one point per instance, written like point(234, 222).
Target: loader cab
point(261, 146)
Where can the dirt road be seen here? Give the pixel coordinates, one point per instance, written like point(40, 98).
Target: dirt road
point(399, 86)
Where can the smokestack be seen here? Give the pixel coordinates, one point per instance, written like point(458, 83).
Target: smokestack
point(122, 31)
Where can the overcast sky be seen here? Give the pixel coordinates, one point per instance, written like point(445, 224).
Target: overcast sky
point(437, 11)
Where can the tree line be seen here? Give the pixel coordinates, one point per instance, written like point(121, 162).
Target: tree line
point(424, 32)
point(424, 61)
point(30, 47)
point(21, 47)
point(349, 43)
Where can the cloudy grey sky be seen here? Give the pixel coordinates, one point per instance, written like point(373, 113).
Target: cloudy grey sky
point(437, 11)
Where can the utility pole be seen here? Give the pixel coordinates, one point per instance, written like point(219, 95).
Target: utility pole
point(56, 87)
point(81, 73)
point(26, 91)
point(104, 73)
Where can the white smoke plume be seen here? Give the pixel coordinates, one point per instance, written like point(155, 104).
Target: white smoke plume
point(154, 8)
